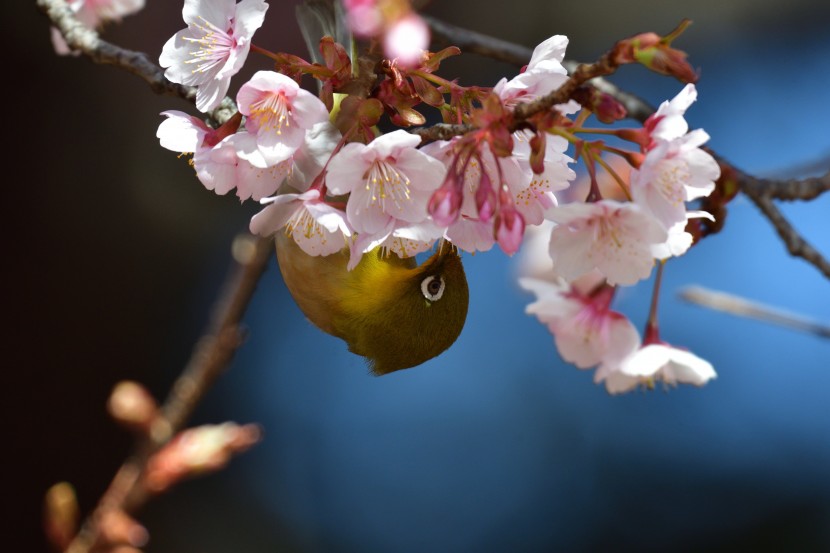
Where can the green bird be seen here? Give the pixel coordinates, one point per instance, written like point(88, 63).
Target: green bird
point(392, 311)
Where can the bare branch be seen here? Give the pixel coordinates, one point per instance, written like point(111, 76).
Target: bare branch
point(742, 307)
point(86, 40)
point(210, 358)
point(787, 189)
point(795, 244)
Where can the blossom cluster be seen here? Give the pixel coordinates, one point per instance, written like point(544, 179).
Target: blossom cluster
point(330, 179)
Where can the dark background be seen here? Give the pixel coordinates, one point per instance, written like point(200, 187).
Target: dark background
point(115, 252)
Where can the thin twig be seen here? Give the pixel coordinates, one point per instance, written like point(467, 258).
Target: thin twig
point(85, 40)
point(795, 243)
point(446, 34)
point(210, 358)
point(742, 307)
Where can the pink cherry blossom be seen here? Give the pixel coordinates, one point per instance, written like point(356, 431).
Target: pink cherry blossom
point(388, 179)
point(250, 180)
point(673, 173)
point(611, 236)
point(93, 14)
point(279, 113)
point(318, 227)
point(652, 363)
point(216, 160)
point(213, 47)
point(586, 331)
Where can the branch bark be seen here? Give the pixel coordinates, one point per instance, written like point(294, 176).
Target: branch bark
point(87, 41)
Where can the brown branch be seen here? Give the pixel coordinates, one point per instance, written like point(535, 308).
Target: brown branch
point(210, 359)
point(787, 189)
point(446, 34)
point(85, 40)
point(796, 245)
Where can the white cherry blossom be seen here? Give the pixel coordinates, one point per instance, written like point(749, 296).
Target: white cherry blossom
point(213, 47)
point(657, 362)
point(317, 227)
point(673, 173)
point(388, 179)
point(608, 235)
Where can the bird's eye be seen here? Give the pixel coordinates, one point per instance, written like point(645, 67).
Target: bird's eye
point(432, 287)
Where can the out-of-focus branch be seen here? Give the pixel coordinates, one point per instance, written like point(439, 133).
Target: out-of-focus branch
point(795, 243)
point(787, 189)
point(85, 40)
point(211, 357)
point(742, 307)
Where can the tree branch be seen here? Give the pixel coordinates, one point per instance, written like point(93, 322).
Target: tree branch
point(796, 245)
point(446, 34)
point(85, 40)
point(210, 359)
point(787, 189)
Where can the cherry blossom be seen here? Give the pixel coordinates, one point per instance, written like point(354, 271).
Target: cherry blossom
point(318, 227)
point(388, 179)
point(586, 331)
point(279, 113)
point(183, 133)
point(652, 363)
point(213, 47)
point(404, 239)
point(668, 122)
point(614, 237)
point(678, 241)
point(673, 173)
point(544, 73)
point(535, 196)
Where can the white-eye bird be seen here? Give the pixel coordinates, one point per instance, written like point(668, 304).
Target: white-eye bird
point(393, 312)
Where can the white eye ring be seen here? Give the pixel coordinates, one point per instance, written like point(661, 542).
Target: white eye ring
point(432, 287)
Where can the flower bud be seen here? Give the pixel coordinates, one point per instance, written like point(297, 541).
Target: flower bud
point(445, 203)
point(198, 450)
point(132, 405)
point(606, 108)
point(485, 198)
point(119, 528)
point(61, 514)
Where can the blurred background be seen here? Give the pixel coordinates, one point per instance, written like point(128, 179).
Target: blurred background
point(116, 253)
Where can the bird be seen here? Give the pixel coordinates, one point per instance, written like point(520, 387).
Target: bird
point(390, 310)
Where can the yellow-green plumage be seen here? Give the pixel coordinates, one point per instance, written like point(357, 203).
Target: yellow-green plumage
point(380, 308)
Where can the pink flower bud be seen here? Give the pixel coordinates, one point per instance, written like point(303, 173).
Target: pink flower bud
point(485, 198)
point(445, 204)
point(510, 229)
